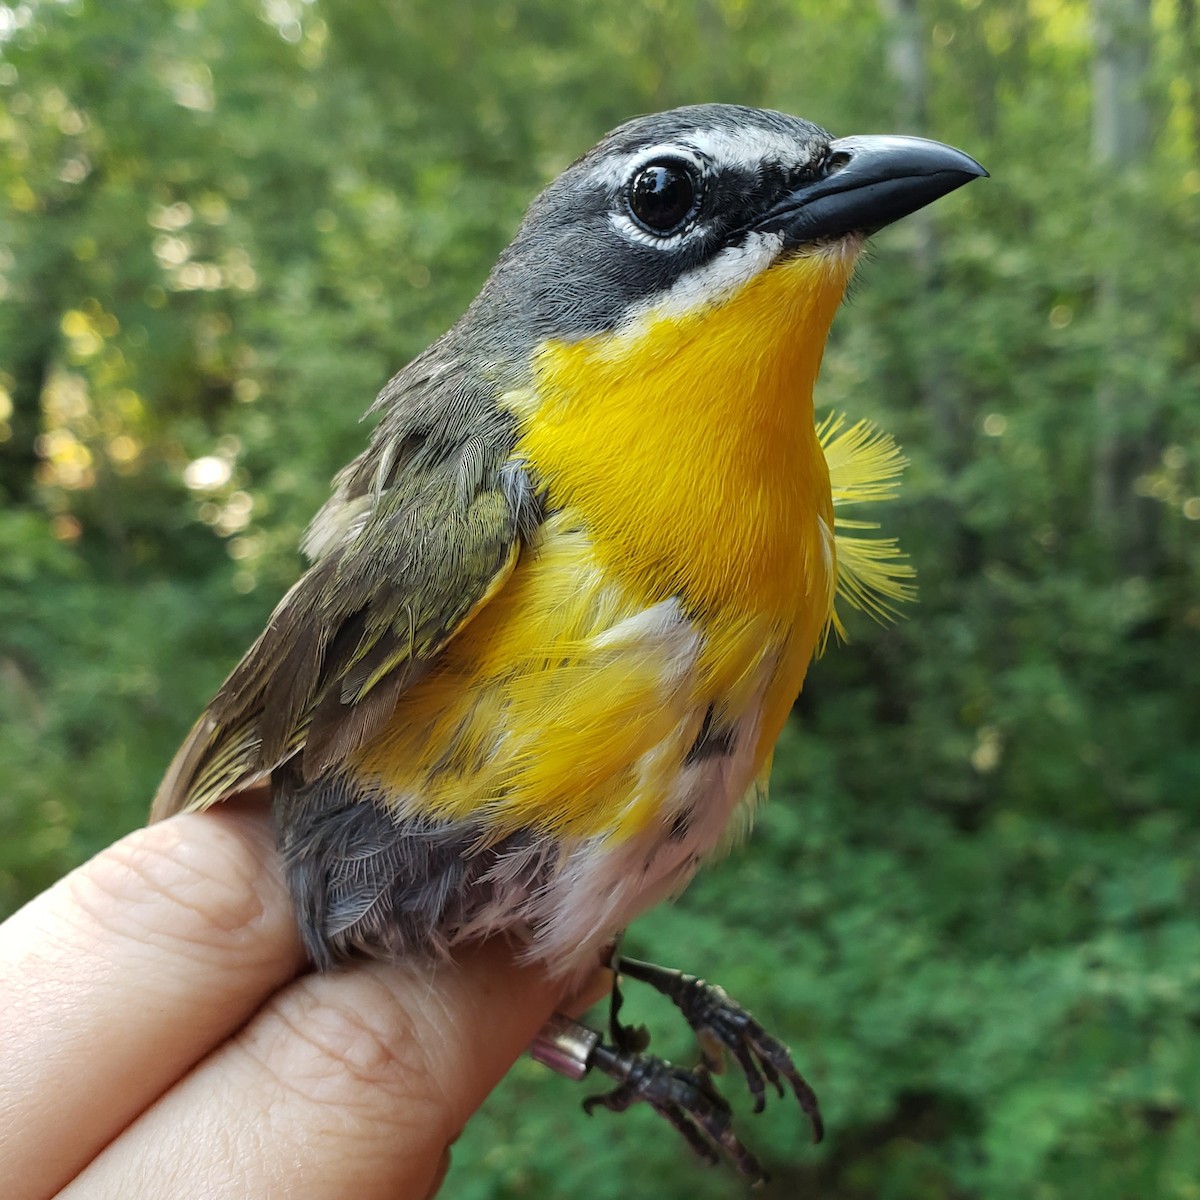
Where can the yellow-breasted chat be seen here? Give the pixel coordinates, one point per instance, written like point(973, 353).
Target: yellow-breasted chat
point(558, 610)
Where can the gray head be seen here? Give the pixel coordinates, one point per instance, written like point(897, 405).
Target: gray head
point(706, 193)
point(669, 212)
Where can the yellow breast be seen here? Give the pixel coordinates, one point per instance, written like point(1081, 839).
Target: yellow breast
point(689, 564)
point(688, 441)
point(688, 444)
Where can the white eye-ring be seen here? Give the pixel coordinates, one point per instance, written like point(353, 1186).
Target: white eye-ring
point(660, 193)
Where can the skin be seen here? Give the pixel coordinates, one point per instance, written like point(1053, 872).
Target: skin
point(162, 1037)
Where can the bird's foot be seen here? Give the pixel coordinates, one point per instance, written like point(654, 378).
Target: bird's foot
point(687, 1099)
point(722, 1025)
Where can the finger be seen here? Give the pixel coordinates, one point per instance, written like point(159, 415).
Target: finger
point(126, 973)
point(347, 1084)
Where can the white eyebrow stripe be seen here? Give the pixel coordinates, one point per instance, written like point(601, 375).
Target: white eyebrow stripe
point(614, 171)
point(745, 150)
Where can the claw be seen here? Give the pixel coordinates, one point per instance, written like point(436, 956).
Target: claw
point(715, 1018)
point(686, 1099)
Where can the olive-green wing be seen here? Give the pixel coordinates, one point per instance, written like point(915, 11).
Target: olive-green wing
point(416, 539)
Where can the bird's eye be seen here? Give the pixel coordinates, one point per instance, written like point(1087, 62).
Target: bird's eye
point(663, 195)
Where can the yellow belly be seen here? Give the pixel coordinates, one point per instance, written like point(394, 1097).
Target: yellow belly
point(569, 706)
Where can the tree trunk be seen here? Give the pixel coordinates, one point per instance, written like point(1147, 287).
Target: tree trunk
point(1120, 147)
point(936, 394)
point(18, 453)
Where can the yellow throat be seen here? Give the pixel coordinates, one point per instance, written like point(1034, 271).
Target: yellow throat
point(687, 442)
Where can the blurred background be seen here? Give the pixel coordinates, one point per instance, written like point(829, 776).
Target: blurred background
point(972, 904)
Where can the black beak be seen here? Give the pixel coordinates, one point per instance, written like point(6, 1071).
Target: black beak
point(869, 182)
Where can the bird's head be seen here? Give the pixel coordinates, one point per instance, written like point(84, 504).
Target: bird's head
point(678, 211)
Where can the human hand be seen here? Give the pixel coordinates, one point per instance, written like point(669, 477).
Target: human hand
point(159, 1036)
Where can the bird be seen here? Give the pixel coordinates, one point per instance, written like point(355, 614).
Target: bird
point(556, 613)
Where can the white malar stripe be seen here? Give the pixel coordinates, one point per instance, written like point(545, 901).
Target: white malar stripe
point(710, 283)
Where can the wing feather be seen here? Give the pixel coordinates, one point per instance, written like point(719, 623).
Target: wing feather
point(422, 530)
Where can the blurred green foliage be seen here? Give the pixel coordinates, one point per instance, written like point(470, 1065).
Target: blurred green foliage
point(972, 903)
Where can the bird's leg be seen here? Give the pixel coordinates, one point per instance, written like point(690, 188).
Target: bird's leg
point(686, 1099)
point(721, 1025)
point(634, 1038)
